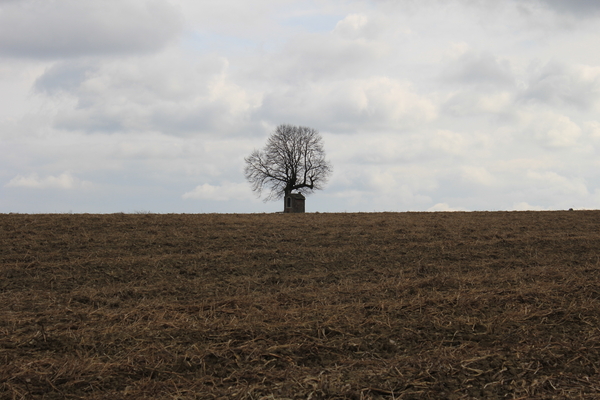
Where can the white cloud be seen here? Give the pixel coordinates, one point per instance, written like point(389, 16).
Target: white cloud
point(450, 142)
point(444, 207)
point(321, 57)
point(360, 27)
point(377, 103)
point(553, 182)
point(524, 206)
point(62, 181)
point(384, 148)
point(384, 187)
point(466, 103)
point(592, 128)
point(478, 175)
point(226, 192)
point(554, 130)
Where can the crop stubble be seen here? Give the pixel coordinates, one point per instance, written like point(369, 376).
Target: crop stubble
point(312, 306)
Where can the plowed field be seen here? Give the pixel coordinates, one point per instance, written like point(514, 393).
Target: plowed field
point(494, 305)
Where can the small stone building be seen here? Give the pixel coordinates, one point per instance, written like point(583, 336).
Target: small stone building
point(294, 203)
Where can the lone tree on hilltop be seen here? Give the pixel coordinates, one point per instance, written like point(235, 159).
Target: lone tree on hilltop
point(292, 160)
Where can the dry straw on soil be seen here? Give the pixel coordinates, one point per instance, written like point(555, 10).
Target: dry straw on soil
point(315, 306)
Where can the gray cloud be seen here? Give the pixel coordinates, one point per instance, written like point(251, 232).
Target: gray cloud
point(577, 8)
point(581, 8)
point(160, 93)
point(481, 82)
point(557, 83)
point(481, 69)
point(68, 28)
point(64, 77)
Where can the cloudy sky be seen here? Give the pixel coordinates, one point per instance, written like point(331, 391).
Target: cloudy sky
point(152, 105)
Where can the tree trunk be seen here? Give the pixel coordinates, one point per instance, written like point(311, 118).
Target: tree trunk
point(285, 200)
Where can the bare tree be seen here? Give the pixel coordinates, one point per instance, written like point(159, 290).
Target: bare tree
point(292, 160)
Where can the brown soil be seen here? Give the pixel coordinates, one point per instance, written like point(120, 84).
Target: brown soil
point(495, 305)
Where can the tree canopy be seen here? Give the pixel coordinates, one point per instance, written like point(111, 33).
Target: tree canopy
point(292, 160)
